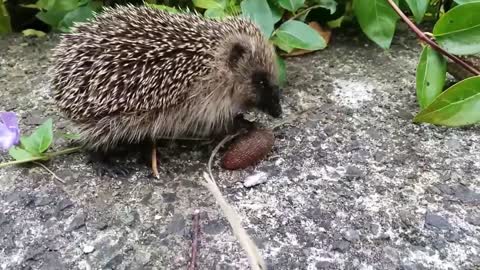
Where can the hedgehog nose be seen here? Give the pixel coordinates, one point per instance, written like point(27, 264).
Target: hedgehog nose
point(275, 108)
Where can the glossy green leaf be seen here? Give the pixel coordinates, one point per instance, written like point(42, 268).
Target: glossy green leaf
point(259, 12)
point(459, 105)
point(418, 8)
point(164, 7)
point(282, 73)
point(461, 2)
point(210, 4)
point(214, 13)
point(331, 5)
point(295, 34)
point(5, 25)
point(291, 5)
point(431, 74)
point(52, 18)
point(276, 9)
point(458, 30)
point(282, 44)
point(20, 154)
point(33, 32)
point(80, 14)
point(377, 20)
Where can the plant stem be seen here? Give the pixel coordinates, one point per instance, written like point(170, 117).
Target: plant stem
point(44, 157)
point(430, 42)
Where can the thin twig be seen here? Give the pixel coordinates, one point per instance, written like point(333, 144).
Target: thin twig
point(253, 253)
point(48, 170)
point(430, 42)
point(215, 151)
point(196, 232)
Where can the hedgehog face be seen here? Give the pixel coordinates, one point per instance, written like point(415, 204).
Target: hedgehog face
point(267, 94)
point(253, 66)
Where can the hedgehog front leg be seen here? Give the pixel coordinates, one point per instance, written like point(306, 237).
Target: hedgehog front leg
point(242, 124)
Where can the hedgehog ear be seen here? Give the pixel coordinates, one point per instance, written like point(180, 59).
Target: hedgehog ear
point(237, 51)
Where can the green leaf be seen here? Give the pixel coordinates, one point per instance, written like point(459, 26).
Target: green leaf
point(327, 4)
point(210, 4)
point(62, 5)
point(52, 18)
point(20, 154)
point(418, 8)
point(282, 74)
point(457, 106)
point(214, 13)
point(163, 7)
point(458, 30)
point(282, 44)
point(291, 5)
point(33, 32)
point(295, 34)
point(277, 10)
point(5, 25)
point(80, 14)
point(431, 74)
point(259, 12)
point(39, 141)
point(377, 20)
point(461, 2)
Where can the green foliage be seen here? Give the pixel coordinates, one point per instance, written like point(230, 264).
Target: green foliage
point(377, 20)
point(5, 26)
point(457, 106)
point(297, 35)
point(418, 8)
point(431, 73)
point(35, 144)
point(458, 31)
point(259, 11)
point(291, 5)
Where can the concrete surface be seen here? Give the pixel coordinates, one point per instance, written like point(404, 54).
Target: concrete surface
point(352, 185)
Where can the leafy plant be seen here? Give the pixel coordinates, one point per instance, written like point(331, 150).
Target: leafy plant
point(32, 147)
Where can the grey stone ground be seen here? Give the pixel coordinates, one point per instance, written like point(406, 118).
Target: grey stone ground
point(352, 185)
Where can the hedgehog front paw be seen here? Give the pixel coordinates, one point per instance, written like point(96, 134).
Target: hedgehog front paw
point(104, 166)
point(242, 124)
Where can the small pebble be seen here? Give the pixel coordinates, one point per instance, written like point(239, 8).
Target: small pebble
point(255, 179)
point(88, 249)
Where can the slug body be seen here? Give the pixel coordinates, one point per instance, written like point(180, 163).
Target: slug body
point(137, 73)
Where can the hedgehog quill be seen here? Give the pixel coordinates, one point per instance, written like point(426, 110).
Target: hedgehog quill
point(134, 74)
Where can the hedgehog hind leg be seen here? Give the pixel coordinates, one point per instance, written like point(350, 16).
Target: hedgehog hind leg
point(103, 164)
point(148, 156)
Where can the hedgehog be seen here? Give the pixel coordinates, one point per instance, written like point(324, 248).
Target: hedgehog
point(135, 74)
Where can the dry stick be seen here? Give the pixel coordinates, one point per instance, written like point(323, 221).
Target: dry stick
point(196, 232)
point(430, 42)
point(253, 253)
point(48, 170)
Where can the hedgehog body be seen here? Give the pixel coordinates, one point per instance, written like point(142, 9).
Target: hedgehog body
point(136, 73)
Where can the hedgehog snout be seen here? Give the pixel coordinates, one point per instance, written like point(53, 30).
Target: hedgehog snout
point(268, 101)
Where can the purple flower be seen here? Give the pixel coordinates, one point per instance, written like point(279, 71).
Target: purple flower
point(9, 131)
